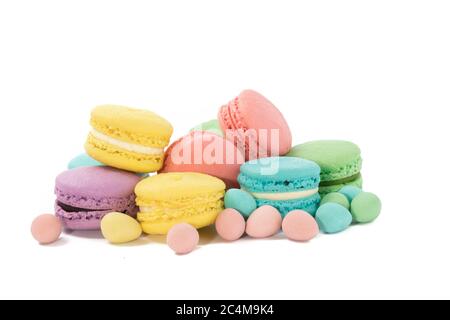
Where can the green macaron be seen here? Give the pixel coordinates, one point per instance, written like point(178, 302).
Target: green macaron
point(210, 126)
point(340, 162)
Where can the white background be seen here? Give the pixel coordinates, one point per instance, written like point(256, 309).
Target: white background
point(373, 72)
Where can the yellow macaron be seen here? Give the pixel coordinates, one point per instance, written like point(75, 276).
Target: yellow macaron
point(128, 139)
point(167, 199)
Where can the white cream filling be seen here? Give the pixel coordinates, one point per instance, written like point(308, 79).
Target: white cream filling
point(145, 209)
point(126, 145)
point(285, 195)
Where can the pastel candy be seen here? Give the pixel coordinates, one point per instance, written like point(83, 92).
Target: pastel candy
point(336, 197)
point(333, 218)
point(230, 225)
point(263, 222)
point(120, 228)
point(182, 238)
point(46, 228)
point(365, 207)
point(240, 200)
point(299, 225)
point(350, 192)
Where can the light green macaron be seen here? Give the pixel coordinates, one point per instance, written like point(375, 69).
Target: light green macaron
point(340, 162)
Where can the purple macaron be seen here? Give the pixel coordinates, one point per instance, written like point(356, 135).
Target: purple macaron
point(84, 195)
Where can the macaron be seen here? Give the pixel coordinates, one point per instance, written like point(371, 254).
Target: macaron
point(46, 228)
point(127, 138)
point(286, 183)
point(264, 222)
point(182, 238)
point(171, 198)
point(85, 194)
point(230, 225)
point(365, 207)
point(340, 162)
point(212, 126)
point(241, 201)
point(207, 153)
point(299, 225)
point(333, 218)
point(83, 160)
point(255, 125)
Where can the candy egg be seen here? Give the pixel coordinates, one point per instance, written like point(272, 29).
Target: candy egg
point(240, 200)
point(263, 222)
point(365, 207)
point(299, 225)
point(350, 192)
point(336, 197)
point(182, 238)
point(230, 225)
point(46, 228)
point(120, 228)
point(333, 218)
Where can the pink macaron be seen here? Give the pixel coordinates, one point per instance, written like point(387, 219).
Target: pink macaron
point(254, 124)
point(299, 225)
point(205, 152)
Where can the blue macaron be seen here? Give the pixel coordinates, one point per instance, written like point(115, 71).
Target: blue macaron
point(83, 160)
point(286, 183)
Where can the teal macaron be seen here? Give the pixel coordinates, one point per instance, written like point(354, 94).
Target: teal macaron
point(340, 162)
point(286, 183)
point(241, 201)
point(83, 160)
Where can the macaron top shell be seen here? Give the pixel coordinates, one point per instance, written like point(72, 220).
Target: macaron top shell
point(94, 184)
point(138, 126)
point(251, 110)
point(280, 168)
point(279, 174)
point(173, 185)
point(337, 158)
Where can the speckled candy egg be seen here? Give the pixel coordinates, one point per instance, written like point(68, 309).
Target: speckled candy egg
point(263, 222)
point(230, 225)
point(46, 228)
point(299, 225)
point(182, 238)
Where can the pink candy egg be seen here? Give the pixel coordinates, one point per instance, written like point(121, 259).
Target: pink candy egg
point(46, 228)
point(230, 225)
point(182, 238)
point(263, 222)
point(299, 225)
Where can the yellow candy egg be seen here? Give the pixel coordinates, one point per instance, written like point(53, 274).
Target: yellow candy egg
point(120, 228)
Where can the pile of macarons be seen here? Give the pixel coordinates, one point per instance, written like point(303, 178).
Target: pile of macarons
point(238, 172)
